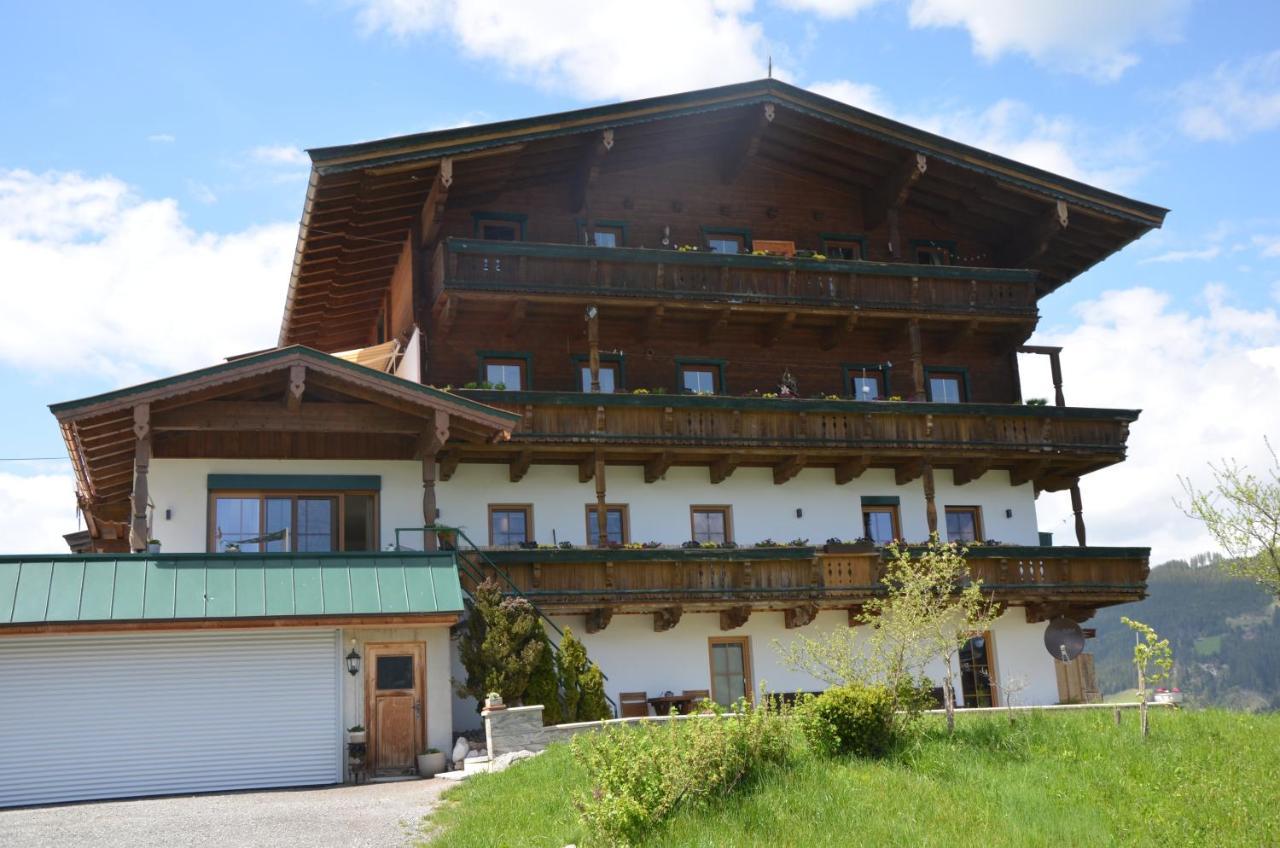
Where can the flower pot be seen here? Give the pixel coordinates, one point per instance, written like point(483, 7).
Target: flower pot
point(357, 737)
point(153, 547)
point(849, 548)
point(430, 764)
point(447, 539)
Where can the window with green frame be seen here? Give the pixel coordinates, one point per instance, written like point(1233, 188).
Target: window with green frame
point(613, 376)
point(947, 385)
point(512, 371)
point(867, 381)
point(499, 226)
point(727, 239)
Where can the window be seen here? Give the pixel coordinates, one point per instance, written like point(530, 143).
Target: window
point(927, 254)
point(964, 523)
point(711, 524)
point(699, 378)
point(946, 388)
point(880, 523)
point(975, 671)
point(866, 387)
point(607, 236)
point(509, 373)
point(510, 524)
point(280, 522)
point(394, 672)
point(617, 526)
point(841, 246)
point(727, 241)
point(499, 226)
point(608, 377)
point(730, 669)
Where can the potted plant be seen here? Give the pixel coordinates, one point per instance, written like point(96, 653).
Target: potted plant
point(861, 545)
point(153, 546)
point(431, 762)
point(356, 735)
point(447, 537)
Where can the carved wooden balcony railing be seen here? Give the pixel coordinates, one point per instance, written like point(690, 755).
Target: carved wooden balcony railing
point(1050, 445)
point(671, 275)
point(1046, 580)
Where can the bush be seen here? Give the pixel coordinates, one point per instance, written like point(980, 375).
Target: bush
point(852, 719)
point(640, 773)
point(582, 683)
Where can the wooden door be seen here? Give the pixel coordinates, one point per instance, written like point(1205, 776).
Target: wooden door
point(395, 705)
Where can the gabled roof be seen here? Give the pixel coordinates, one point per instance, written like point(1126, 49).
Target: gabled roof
point(88, 589)
point(99, 434)
point(362, 198)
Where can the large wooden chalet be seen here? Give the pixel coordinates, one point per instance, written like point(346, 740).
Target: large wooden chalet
point(673, 369)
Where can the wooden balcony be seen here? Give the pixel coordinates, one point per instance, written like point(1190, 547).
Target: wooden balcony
point(1051, 446)
point(798, 581)
point(682, 279)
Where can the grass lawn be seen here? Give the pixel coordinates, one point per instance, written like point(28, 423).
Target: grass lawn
point(1203, 778)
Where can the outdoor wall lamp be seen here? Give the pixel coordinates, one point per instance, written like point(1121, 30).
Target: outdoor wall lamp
point(353, 660)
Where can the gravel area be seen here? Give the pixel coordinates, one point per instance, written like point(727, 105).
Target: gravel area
point(386, 815)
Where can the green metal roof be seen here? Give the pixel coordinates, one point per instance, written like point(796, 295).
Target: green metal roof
point(141, 587)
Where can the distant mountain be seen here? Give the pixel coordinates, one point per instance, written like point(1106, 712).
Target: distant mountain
point(1224, 630)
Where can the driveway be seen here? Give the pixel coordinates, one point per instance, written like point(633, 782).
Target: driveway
point(385, 815)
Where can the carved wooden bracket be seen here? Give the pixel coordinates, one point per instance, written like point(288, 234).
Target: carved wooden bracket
point(799, 616)
point(734, 617)
point(598, 619)
point(666, 618)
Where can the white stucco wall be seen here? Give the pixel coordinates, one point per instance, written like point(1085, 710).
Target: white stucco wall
point(439, 695)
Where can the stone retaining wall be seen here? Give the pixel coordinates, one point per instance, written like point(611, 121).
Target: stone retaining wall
point(508, 729)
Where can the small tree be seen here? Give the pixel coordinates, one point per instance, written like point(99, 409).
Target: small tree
point(502, 643)
point(1149, 650)
point(544, 687)
point(930, 609)
point(581, 681)
point(1242, 512)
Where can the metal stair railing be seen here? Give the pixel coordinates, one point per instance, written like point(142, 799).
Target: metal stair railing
point(478, 576)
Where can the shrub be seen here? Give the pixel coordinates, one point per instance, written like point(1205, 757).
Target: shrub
point(582, 683)
point(853, 719)
point(640, 773)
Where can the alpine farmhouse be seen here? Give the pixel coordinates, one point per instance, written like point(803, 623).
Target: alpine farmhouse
point(671, 369)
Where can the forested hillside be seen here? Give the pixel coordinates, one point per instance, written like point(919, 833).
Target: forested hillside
point(1225, 633)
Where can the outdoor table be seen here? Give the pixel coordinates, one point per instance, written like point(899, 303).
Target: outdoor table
point(662, 704)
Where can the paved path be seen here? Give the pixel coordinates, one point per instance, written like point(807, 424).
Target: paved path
point(385, 815)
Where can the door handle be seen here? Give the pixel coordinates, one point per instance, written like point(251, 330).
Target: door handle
point(417, 707)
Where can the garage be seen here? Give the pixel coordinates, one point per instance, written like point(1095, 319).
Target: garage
point(116, 715)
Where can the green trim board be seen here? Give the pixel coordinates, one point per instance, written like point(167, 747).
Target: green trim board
point(881, 500)
point(296, 482)
point(511, 556)
point(959, 370)
point(284, 353)
point(198, 587)
point(483, 355)
point(874, 407)
point(854, 237)
point(670, 256)
point(509, 217)
point(581, 360)
point(433, 145)
point(854, 369)
point(682, 361)
point(741, 232)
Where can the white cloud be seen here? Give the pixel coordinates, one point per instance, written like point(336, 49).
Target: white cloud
point(35, 510)
point(1235, 100)
point(162, 138)
point(1013, 129)
point(281, 154)
point(1090, 37)
point(1210, 252)
point(593, 50)
point(829, 8)
point(1267, 245)
point(98, 280)
point(1208, 385)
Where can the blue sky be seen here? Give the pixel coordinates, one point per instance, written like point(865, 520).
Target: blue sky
point(153, 153)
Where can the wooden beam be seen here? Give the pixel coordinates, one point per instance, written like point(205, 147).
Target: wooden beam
point(433, 438)
point(716, 323)
point(653, 321)
point(917, 359)
point(799, 616)
point(837, 333)
point(588, 169)
point(893, 191)
point(598, 619)
point(449, 464)
point(520, 465)
point(745, 143)
point(602, 513)
point(297, 385)
point(970, 471)
point(722, 468)
point(593, 348)
point(908, 471)
point(432, 214)
point(1031, 244)
point(516, 318)
point(666, 618)
point(734, 617)
point(586, 468)
point(138, 530)
point(1026, 472)
point(788, 468)
point(850, 469)
point(657, 466)
point(930, 503)
point(1077, 509)
point(264, 416)
point(776, 329)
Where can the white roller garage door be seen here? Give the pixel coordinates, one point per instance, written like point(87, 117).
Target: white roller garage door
point(144, 714)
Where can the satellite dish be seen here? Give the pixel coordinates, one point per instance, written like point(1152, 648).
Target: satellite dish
point(1063, 639)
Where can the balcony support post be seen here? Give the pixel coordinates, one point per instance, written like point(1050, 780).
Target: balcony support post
point(1055, 368)
point(138, 532)
point(930, 505)
point(1077, 507)
point(593, 347)
point(917, 359)
point(602, 512)
point(431, 441)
